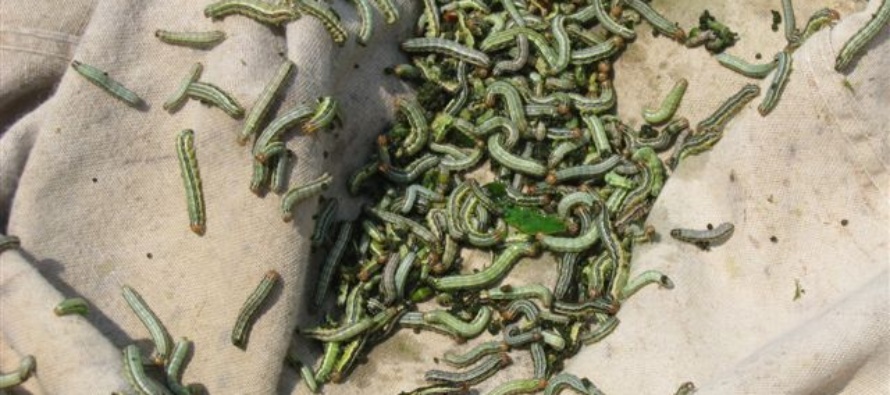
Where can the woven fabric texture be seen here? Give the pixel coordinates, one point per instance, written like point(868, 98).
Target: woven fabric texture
point(93, 189)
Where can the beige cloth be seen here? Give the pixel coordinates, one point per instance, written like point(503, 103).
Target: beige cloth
point(92, 188)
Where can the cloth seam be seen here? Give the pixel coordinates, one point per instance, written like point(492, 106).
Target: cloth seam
point(13, 38)
point(11, 48)
point(48, 35)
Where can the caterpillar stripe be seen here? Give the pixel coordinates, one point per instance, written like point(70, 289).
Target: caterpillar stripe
point(248, 312)
point(191, 179)
point(199, 40)
point(104, 81)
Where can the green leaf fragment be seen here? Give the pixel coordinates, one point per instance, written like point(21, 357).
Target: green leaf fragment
point(530, 221)
point(497, 191)
point(430, 178)
point(399, 131)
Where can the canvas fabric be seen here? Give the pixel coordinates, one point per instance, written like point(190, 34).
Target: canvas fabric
point(92, 187)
